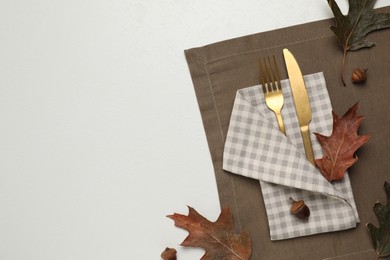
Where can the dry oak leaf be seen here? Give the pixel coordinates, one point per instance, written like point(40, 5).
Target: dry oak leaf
point(218, 238)
point(351, 29)
point(339, 148)
point(381, 236)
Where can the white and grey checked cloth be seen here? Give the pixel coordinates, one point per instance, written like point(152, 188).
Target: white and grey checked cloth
point(256, 148)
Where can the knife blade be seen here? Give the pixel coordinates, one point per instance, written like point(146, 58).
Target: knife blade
point(301, 101)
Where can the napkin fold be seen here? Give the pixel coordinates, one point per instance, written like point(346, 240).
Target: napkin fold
point(256, 148)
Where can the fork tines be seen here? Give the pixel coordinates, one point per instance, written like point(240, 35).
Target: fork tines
point(270, 79)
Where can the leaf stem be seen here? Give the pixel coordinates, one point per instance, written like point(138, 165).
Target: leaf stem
point(342, 65)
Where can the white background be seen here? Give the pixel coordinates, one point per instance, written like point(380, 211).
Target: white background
point(100, 132)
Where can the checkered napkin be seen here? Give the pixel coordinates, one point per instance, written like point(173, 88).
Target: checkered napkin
point(256, 148)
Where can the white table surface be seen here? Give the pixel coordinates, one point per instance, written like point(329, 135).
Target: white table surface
point(100, 132)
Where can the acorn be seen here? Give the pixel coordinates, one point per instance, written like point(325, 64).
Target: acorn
point(359, 75)
point(169, 254)
point(299, 209)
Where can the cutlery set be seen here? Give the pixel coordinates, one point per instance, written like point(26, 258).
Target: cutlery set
point(274, 99)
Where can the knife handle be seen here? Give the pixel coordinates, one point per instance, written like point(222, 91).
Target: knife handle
point(305, 132)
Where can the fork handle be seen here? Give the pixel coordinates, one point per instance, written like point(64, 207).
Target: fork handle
point(280, 123)
point(305, 132)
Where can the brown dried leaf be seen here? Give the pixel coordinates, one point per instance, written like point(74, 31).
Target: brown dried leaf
point(339, 148)
point(218, 238)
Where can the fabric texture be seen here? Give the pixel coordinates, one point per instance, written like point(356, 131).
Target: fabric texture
point(256, 148)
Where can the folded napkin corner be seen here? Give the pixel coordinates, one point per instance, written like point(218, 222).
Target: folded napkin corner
point(255, 148)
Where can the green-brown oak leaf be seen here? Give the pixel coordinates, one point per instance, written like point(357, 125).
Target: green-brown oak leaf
point(218, 238)
point(351, 29)
point(381, 236)
point(339, 148)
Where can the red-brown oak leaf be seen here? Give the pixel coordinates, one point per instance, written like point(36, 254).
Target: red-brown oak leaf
point(339, 148)
point(218, 238)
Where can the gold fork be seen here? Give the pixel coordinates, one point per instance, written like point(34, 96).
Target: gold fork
point(272, 89)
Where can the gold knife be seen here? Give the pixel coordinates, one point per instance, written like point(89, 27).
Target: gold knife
point(301, 101)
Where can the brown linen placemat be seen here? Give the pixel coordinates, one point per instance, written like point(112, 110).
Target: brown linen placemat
point(220, 69)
